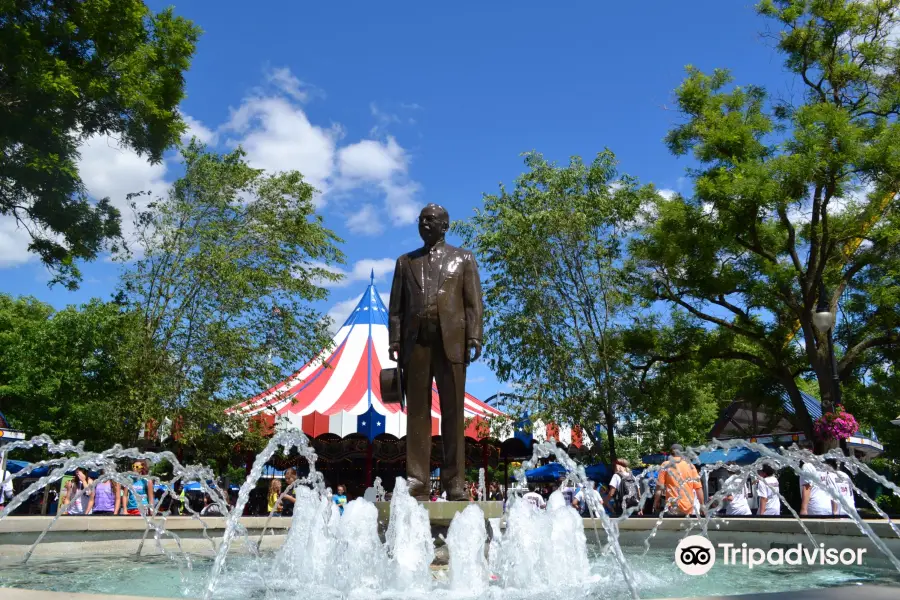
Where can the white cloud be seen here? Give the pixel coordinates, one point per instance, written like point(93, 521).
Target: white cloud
point(361, 271)
point(288, 83)
point(109, 170)
point(667, 193)
point(196, 129)
point(365, 221)
point(383, 120)
point(400, 201)
point(340, 311)
point(14, 240)
point(371, 160)
point(278, 136)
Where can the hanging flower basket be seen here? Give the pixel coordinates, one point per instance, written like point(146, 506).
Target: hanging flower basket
point(837, 425)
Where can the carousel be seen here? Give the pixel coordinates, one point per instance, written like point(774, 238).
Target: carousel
point(335, 399)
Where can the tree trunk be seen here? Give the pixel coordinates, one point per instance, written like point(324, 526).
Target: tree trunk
point(826, 385)
point(610, 434)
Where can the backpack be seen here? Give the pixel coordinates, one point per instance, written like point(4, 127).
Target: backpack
point(628, 492)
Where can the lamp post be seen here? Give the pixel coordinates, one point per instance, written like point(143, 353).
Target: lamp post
point(824, 320)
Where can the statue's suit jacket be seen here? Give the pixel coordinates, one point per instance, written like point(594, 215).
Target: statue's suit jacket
point(459, 302)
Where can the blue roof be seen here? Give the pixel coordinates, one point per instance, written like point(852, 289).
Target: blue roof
point(813, 406)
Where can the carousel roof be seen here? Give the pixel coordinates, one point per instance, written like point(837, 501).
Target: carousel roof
point(338, 392)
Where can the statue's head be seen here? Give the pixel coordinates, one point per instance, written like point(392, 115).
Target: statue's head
point(434, 221)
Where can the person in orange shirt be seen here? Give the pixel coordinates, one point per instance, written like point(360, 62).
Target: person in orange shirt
point(680, 482)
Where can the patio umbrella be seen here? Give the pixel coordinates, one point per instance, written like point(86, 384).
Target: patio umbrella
point(548, 472)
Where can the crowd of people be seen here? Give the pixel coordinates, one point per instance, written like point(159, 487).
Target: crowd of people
point(733, 492)
point(676, 490)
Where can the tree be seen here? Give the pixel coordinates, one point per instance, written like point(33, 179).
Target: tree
point(231, 260)
point(875, 401)
point(70, 70)
point(67, 373)
point(792, 202)
point(556, 299)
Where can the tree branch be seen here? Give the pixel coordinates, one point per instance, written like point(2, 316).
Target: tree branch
point(672, 297)
point(792, 243)
point(853, 354)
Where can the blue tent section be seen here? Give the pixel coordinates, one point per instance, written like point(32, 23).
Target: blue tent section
point(741, 456)
point(271, 472)
point(598, 473)
point(548, 472)
point(194, 486)
point(522, 431)
point(14, 466)
point(654, 459)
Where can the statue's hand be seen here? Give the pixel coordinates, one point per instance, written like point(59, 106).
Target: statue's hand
point(394, 352)
point(473, 351)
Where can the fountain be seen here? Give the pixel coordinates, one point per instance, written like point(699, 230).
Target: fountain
point(386, 550)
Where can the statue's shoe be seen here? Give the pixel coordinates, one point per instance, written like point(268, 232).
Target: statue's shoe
point(418, 489)
point(458, 496)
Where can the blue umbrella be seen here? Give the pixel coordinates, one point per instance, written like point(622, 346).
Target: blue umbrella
point(598, 472)
point(194, 486)
point(548, 472)
point(741, 456)
point(654, 459)
point(14, 466)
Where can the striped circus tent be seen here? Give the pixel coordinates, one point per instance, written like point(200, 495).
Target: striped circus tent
point(338, 392)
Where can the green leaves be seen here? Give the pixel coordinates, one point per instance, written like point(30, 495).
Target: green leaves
point(70, 70)
point(555, 295)
point(67, 373)
point(231, 261)
point(787, 198)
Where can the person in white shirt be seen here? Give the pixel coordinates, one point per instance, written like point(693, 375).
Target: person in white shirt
point(534, 498)
point(841, 483)
point(815, 501)
point(737, 496)
point(6, 487)
point(588, 501)
point(767, 490)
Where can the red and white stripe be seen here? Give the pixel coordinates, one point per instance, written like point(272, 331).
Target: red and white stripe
point(328, 394)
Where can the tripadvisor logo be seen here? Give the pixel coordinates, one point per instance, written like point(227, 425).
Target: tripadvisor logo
point(695, 555)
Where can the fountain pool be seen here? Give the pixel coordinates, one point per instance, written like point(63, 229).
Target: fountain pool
point(359, 554)
point(656, 574)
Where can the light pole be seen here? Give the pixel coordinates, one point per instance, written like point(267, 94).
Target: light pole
point(824, 320)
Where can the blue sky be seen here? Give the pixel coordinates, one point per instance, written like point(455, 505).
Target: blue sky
point(387, 106)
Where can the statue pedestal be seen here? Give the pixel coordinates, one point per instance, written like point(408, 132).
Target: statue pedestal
point(441, 513)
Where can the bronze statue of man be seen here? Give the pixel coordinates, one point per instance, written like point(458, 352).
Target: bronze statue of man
point(435, 332)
